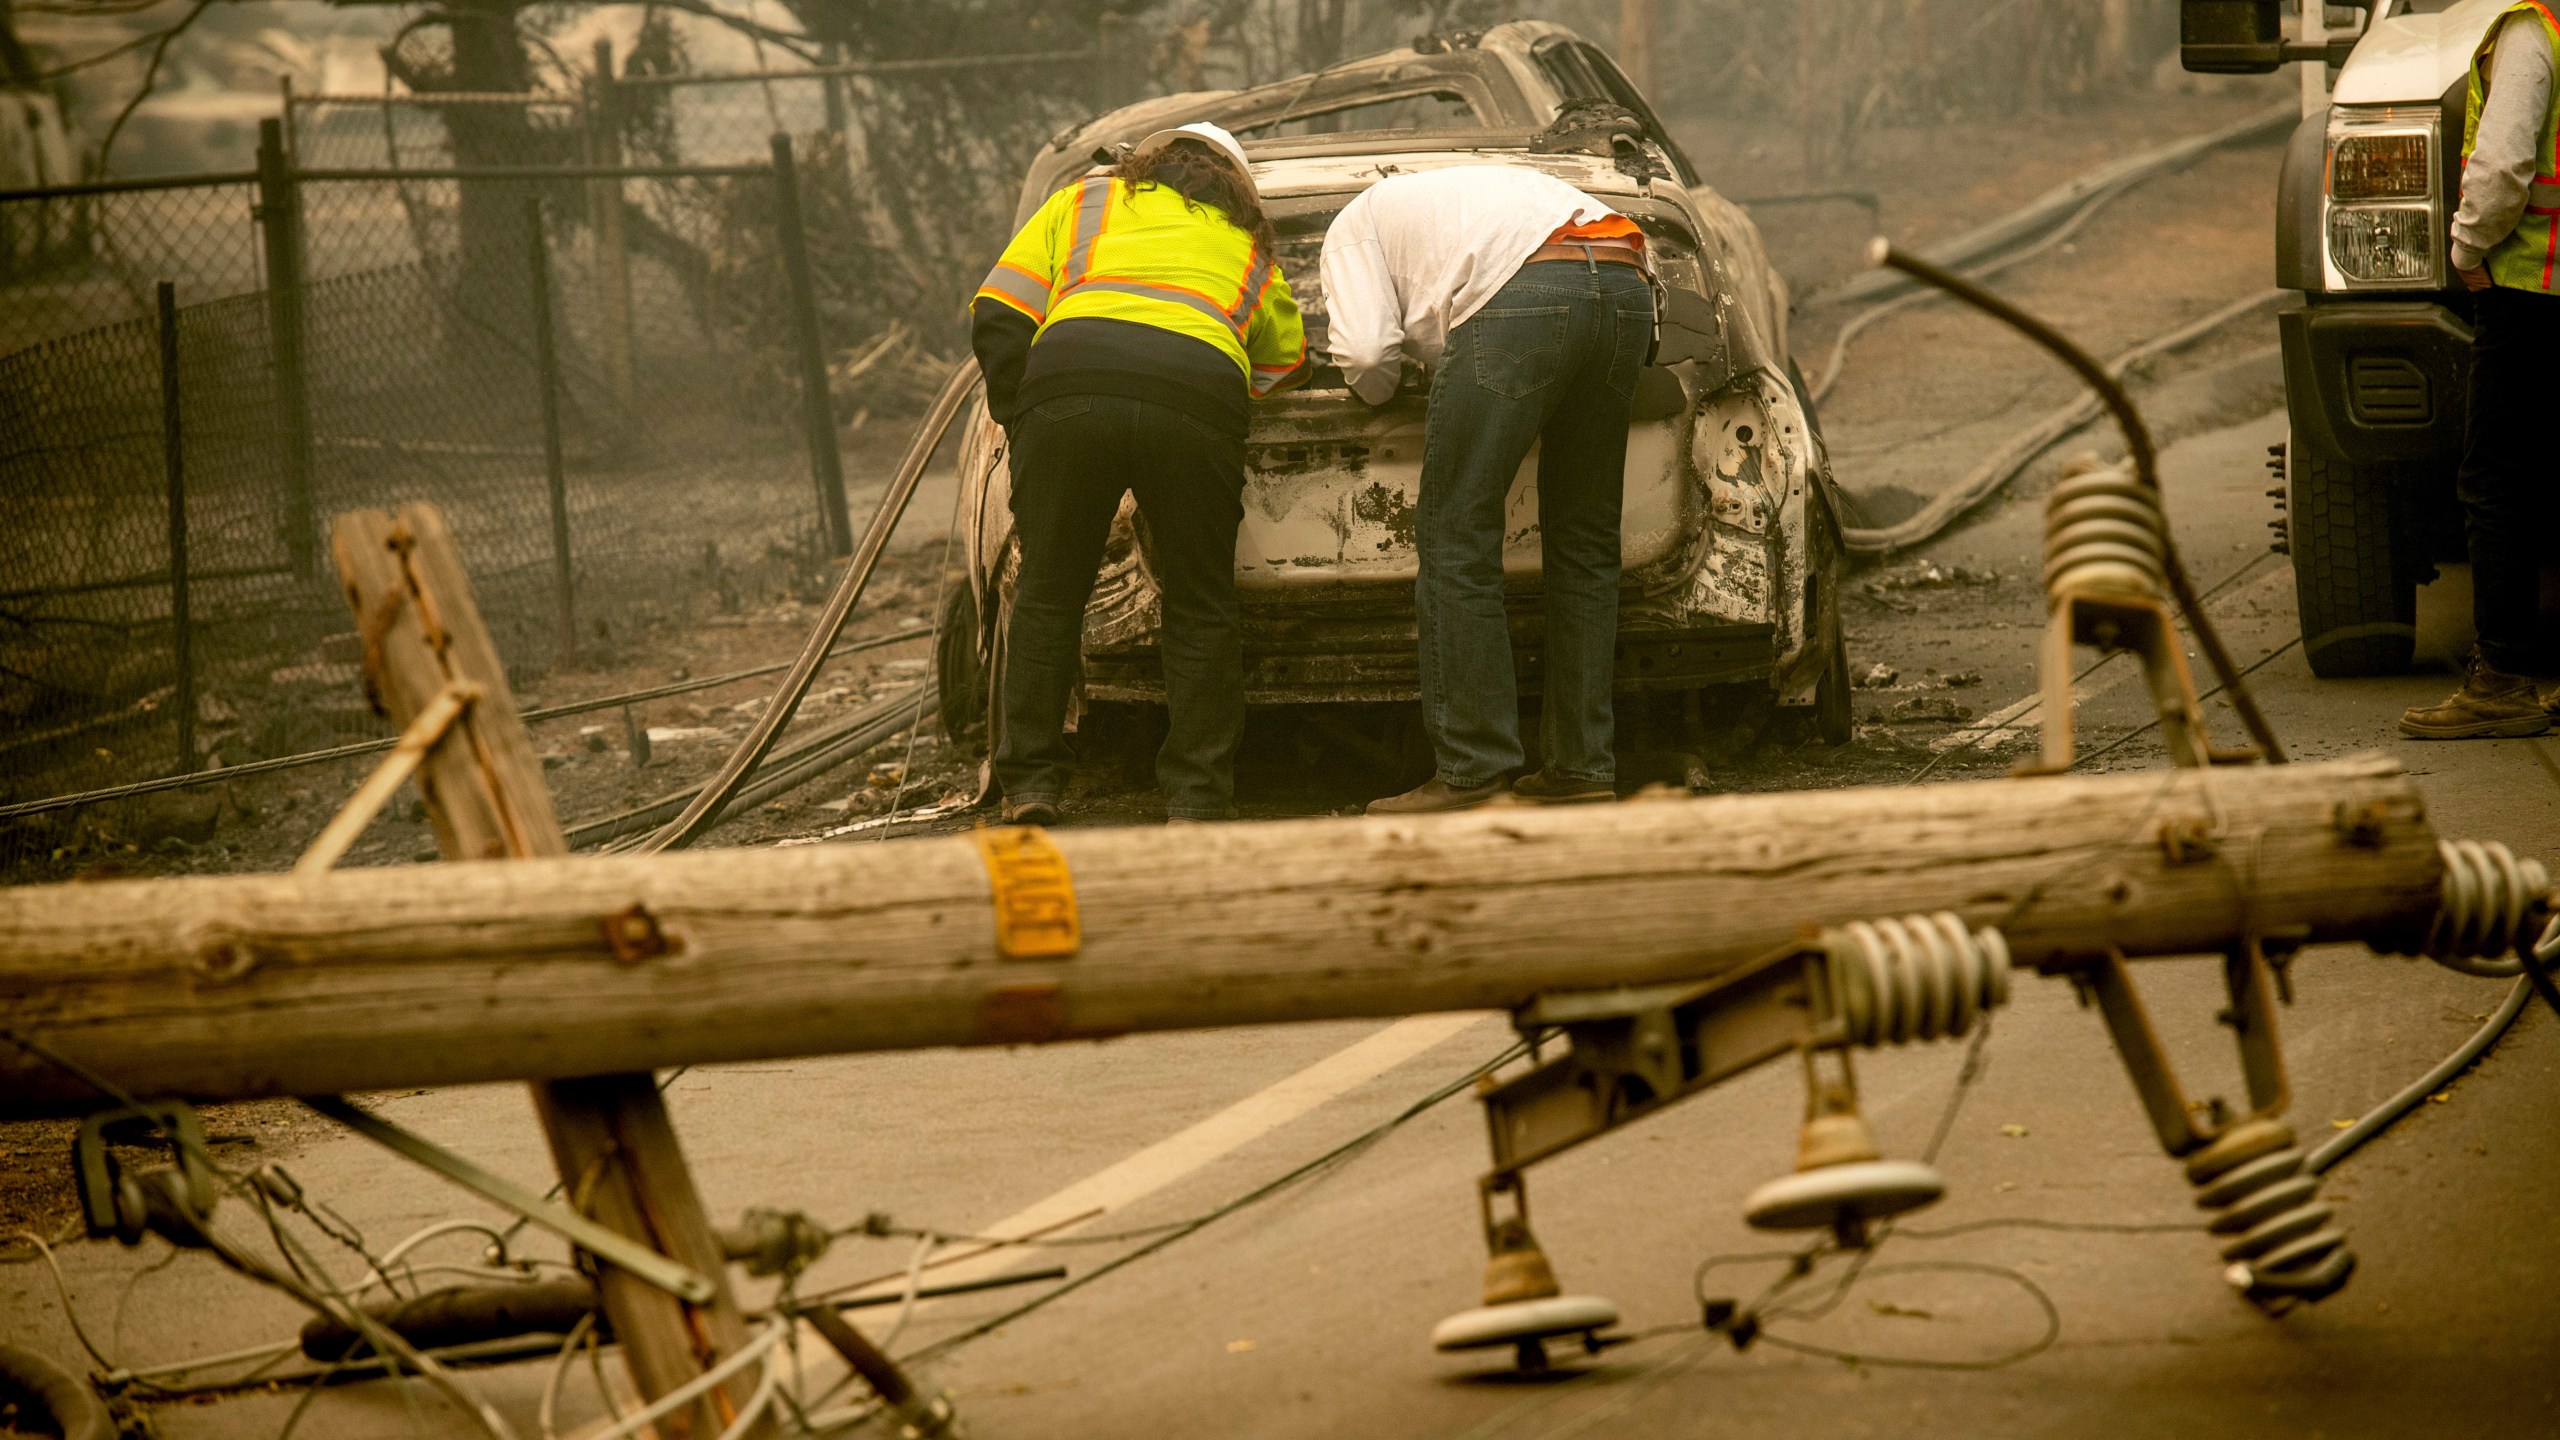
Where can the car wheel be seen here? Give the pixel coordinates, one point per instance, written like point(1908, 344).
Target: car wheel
point(2357, 596)
point(959, 674)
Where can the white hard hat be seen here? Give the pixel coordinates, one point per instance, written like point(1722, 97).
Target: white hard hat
point(1204, 132)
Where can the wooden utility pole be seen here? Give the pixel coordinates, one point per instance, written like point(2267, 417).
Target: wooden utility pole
point(2112, 62)
point(1639, 22)
point(610, 1136)
point(251, 985)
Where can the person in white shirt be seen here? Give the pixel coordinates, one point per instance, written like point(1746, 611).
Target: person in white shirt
point(1528, 304)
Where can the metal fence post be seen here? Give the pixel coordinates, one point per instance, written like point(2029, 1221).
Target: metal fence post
point(832, 88)
point(181, 624)
point(280, 216)
point(546, 364)
point(284, 112)
point(826, 465)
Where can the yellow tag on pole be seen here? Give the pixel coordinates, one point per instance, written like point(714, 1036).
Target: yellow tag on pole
point(1035, 899)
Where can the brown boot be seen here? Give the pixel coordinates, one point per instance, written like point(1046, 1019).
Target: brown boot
point(1435, 795)
point(1030, 810)
point(1543, 788)
point(2491, 704)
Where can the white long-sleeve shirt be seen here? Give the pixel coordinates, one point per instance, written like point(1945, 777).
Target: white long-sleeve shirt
point(1415, 256)
point(2495, 182)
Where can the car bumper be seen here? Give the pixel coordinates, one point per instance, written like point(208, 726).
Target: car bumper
point(2379, 381)
point(1384, 665)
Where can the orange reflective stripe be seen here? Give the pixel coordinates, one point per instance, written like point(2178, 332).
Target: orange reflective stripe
point(1176, 294)
point(1266, 377)
point(1019, 288)
point(1257, 276)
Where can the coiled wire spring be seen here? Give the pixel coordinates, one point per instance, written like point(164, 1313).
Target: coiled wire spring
point(1920, 977)
point(2103, 534)
point(2282, 1247)
point(2492, 904)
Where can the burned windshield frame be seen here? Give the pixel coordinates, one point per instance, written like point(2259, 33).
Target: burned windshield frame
point(1583, 71)
point(1454, 95)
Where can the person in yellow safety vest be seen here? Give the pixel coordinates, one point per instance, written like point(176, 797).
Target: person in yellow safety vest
point(2506, 243)
point(1124, 336)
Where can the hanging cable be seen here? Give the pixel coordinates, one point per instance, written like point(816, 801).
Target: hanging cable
point(717, 792)
point(2383, 1116)
point(2146, 468)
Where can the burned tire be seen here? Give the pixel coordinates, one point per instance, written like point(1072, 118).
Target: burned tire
point(2355, 588)
point(959, 673)
point(1833, 723)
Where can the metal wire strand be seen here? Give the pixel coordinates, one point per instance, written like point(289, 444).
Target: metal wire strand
point(578, 1335)
point(2028, 1351)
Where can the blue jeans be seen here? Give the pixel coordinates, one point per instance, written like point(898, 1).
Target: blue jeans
point(1551, 359)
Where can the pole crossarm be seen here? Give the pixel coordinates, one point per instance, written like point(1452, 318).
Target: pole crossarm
point(222, 987)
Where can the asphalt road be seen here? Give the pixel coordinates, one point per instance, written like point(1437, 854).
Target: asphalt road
point(1307, 1314)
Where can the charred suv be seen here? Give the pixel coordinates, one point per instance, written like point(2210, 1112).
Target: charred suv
point(1731, 553)
point(2377, 351)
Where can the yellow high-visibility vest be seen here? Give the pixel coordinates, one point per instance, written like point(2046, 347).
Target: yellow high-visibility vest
point(2524, 260)
point(1101, 250)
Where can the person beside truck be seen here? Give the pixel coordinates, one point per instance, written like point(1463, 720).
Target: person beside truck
point(2506, 243)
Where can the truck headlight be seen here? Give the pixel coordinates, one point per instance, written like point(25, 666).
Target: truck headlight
point(2384, 220)
point(2374, 244)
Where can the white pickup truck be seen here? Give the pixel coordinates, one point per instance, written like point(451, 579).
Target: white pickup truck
point(2377, 351)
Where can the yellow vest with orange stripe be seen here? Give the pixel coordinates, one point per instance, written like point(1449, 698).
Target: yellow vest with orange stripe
point(1101, 250)
point(2525, 259)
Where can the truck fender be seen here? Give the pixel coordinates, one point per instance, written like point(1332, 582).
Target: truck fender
point(2299, 191)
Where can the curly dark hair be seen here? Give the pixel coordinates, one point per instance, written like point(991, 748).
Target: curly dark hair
point(1201, 176)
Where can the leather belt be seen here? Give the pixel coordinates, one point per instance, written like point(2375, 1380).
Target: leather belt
point(1597, 254)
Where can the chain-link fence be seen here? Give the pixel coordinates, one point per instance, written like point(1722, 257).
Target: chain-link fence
point(617, 335)
point(74, 258)
point(910, 171)
point(595, 374)
point(437, 132)
point(913, 169)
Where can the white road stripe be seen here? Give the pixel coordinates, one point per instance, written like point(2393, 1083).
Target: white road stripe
point(1115, 1187)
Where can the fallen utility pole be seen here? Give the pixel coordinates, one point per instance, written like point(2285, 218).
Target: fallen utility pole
point(553, 967)
point(659, 1275)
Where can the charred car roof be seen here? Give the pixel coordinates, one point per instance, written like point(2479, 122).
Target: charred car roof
point(1509, 79)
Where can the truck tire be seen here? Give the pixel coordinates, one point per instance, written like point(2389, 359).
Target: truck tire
point(2358, 597)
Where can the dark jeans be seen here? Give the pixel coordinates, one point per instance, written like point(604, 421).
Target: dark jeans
point(2506, 479)
point(1073, 456)
point(1550, 360)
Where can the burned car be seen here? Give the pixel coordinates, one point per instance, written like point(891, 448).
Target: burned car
point(1730, 544)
